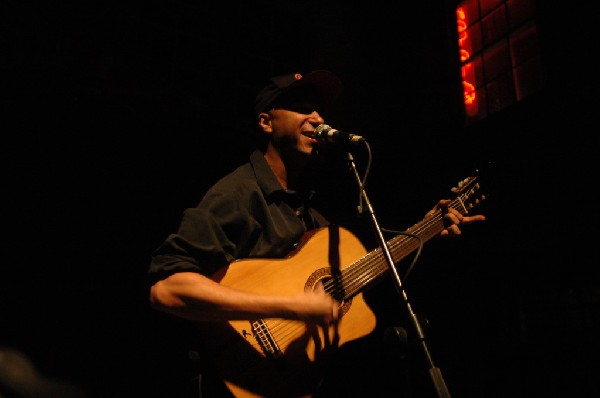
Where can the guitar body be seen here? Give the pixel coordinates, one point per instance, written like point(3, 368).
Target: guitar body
point(278, 357)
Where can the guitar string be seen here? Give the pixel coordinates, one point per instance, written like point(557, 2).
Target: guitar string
point(372, 265)
point(401, 243)
point(371, 261)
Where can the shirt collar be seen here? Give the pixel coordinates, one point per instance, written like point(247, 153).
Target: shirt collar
point(265, 176)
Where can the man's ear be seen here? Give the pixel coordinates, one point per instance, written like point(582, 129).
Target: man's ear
point(264, 123)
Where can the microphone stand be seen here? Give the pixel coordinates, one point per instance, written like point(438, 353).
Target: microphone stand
point(434, 372)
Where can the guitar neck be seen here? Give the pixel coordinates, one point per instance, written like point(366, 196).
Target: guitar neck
point(361, 274)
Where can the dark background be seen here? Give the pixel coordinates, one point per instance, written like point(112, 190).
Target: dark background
point(119, 116)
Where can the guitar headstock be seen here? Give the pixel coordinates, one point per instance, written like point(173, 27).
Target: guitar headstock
point(468, 194)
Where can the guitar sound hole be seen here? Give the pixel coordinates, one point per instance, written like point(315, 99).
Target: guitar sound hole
point(335, 288)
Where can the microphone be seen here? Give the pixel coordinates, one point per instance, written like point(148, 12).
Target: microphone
point(326, 133)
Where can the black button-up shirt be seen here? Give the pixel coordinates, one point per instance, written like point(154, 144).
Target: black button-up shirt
point(246, 214)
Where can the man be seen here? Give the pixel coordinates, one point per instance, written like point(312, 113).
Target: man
point(262, 210)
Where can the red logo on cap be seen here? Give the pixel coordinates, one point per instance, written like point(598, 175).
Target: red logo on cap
point(297, 76)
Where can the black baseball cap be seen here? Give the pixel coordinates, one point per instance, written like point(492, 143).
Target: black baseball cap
point(321, 85)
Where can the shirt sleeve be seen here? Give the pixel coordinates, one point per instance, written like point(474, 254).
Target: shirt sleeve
point(206, 238)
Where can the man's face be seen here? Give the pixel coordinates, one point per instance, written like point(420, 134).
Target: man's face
point(293, 124)
point(294, 119)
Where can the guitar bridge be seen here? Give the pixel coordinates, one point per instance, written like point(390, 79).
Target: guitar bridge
point(265, 339)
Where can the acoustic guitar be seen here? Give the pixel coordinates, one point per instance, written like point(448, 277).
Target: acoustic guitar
point(287, 358)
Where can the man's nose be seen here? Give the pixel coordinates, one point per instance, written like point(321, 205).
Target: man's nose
point(317, 117)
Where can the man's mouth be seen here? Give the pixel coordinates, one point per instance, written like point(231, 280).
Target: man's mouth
point(309, 134)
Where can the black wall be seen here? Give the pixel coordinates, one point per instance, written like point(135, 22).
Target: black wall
point(118, 116)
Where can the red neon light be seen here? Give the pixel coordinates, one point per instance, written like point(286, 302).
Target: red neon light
point(468, 78)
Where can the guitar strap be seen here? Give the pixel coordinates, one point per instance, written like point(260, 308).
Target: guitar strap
point(313, 219)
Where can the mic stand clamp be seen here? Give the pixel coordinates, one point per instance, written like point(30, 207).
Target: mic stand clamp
point(434, 372)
